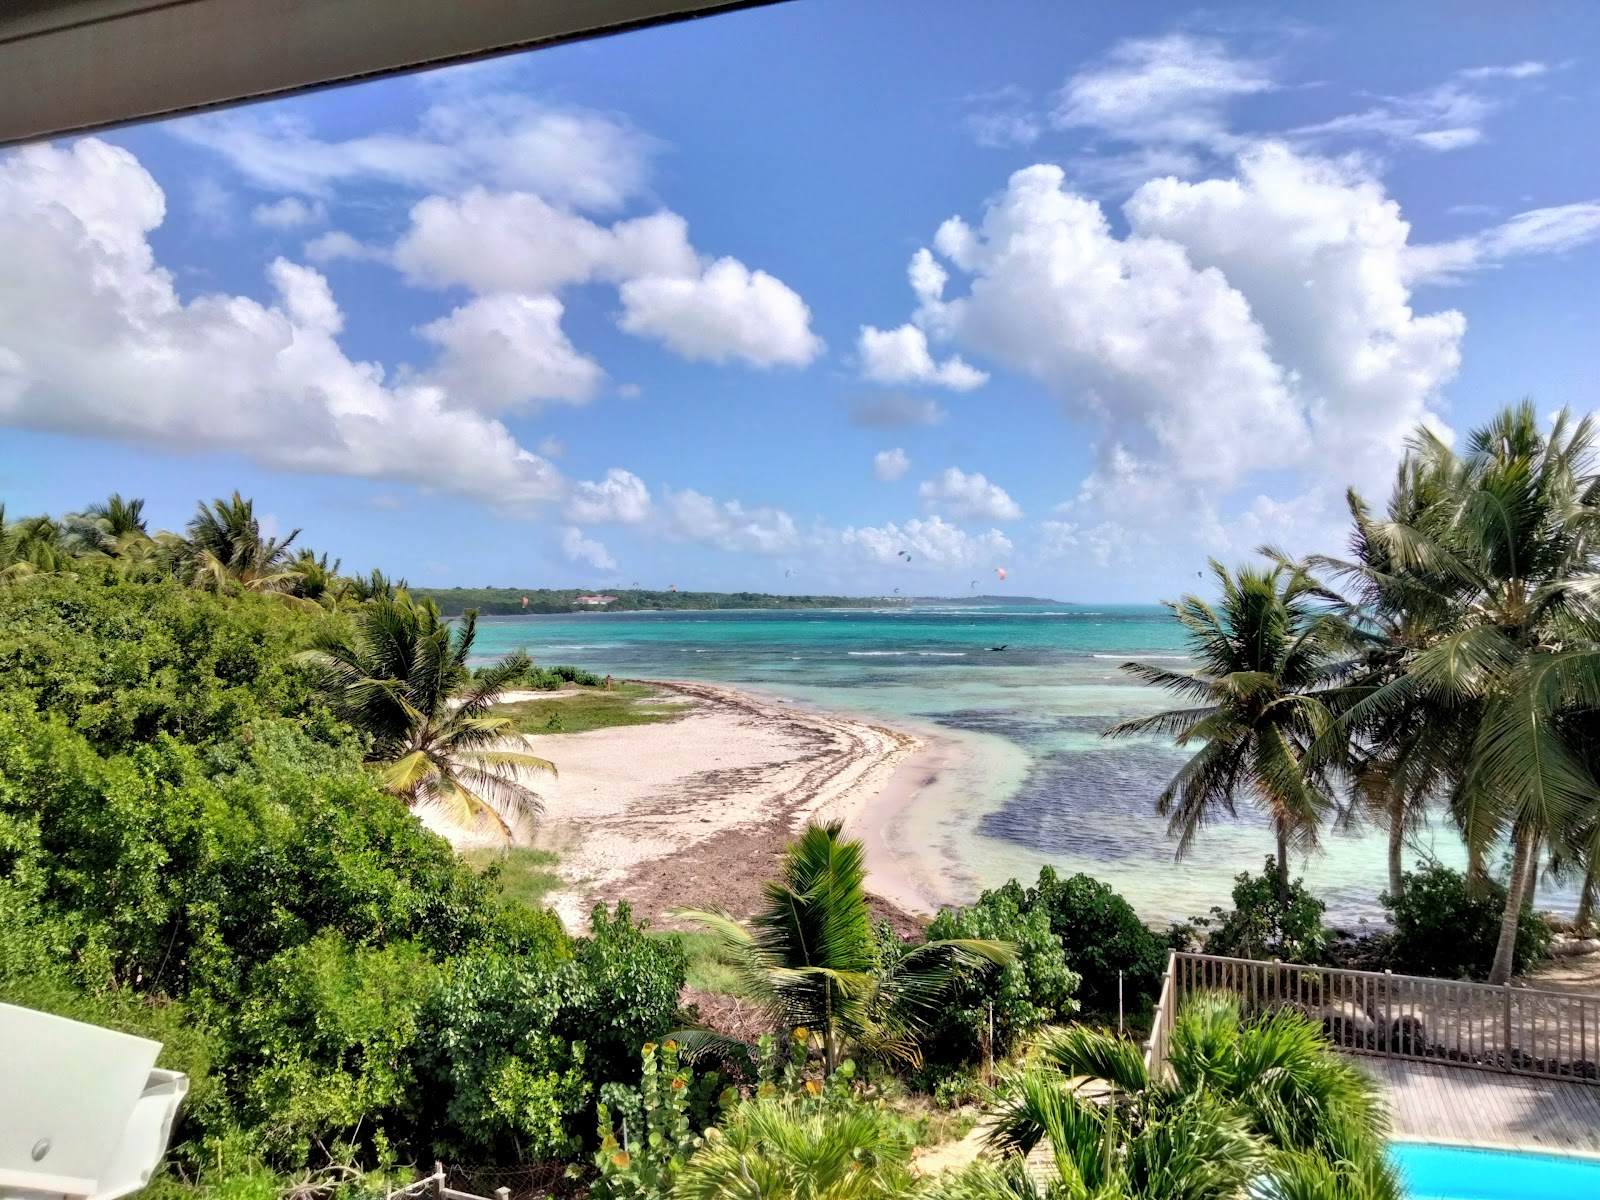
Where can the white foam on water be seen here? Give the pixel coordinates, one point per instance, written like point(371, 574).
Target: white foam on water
point(1144, 657)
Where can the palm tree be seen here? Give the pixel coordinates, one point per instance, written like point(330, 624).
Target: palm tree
point(398, 673)
point(312, 577)
point(1510, 547)
point(786, 1148)
point(1249, 1107)
point(811, 958)
point(32, 546)
point(226, 547)
point(1397, 762)
point(373, 586)
point(1263, 653)
point(107, 527)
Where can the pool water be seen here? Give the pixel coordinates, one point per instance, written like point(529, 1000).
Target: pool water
point(1459, 1173)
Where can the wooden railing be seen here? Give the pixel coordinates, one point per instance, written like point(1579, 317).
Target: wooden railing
point(1516, 1029)
point(1155, 1048)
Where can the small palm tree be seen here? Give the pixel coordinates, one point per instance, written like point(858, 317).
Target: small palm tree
point(225, 547)
point(1249, 1107)
point(398, 673)
point(812, 960)
point(783, 1148)
point(1263, 653)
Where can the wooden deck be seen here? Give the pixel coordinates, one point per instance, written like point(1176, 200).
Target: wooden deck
point(1436, 1103)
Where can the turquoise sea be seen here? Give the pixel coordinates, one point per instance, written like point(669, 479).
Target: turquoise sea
point(1038, 784)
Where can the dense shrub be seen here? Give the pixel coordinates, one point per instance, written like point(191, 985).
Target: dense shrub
point(1260, 927)
point(123, 662)
point(1447, 928)
point(191, 851)
point(1034, 989)
point(1100, 935)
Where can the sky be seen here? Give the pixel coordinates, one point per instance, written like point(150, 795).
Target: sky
point(824, 296)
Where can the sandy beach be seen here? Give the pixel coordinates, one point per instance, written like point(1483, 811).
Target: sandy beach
point(698, 809)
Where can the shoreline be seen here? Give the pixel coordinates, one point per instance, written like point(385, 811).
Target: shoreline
point(697, 810)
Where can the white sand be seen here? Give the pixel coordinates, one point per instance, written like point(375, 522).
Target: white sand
point(697, 810)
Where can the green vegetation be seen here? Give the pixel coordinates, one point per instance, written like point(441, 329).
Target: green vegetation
point(1444, 928)
point(985, 1014)
point(709, 967)
point(1252, 710)
point(210, 744)
point(1261, 925)
point(1455, 676)
point(524, 874)
point(623, 704)
point(811, 959)
point(1252, 1104)
point(1101, 935)
point(397, 673)
point(191, 849)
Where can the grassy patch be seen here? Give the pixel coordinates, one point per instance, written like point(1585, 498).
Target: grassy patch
point(709, 970)
point(592, 708)
point(526, 874)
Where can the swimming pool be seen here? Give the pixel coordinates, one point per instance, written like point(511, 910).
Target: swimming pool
point(1460, 1173)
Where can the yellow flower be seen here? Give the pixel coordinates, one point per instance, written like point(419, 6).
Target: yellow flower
point(669, 1045)
point(801, 1033)
point(649, 1047)
point(677, 1083)
point(620, 1159)
point(813, 1087)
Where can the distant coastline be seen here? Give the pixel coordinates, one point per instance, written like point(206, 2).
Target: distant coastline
point(502, 602)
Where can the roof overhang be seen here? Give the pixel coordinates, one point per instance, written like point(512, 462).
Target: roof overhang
point(73, 66)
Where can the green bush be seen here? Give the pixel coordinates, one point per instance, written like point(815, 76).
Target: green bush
point(1037, 987)
point(123, 662)
point(1260, 927)
point(1446, 928)
point(1100, 935)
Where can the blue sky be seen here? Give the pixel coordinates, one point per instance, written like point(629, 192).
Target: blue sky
point(761, 301)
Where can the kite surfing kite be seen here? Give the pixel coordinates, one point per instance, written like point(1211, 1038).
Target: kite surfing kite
point(672, 587)
point(1000, 571)
point(905, 554)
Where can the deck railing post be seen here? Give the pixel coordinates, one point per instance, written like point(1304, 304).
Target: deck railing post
point(1506, 1029)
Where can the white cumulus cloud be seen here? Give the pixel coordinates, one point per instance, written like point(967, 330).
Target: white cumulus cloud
point(571, 156)
point(968, 497)
point(932, 543)
point(291, 212)
point(583, 549)
point(902, 356)
point(95, 340)
point(1172, 89)
point(725, 312)
point(729, 525)
point(507, 352)
point(621, 498)
point(890, 465)
point(518, 241)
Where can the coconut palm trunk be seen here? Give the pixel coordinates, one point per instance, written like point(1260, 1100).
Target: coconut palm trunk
point(1516, 892)
point(1397, 845)
point(1283, 867)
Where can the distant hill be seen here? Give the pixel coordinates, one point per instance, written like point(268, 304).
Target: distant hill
point(507, 601)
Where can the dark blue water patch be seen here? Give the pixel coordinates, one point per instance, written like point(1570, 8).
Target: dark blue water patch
point(1097, 804)
point(1022, 726)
